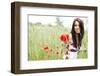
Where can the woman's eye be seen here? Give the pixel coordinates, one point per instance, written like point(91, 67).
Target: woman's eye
point(75, 25)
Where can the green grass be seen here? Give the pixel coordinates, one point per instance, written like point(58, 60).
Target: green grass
point(82, 54)
point(40, 37)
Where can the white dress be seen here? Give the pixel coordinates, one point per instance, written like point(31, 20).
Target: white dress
point(72, 53)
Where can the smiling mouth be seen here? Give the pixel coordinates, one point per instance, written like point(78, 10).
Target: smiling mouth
point(77, 31)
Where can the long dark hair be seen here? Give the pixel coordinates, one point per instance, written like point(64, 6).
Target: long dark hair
point(80, 35)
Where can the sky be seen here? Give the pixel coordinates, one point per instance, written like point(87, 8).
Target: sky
point(66, 20)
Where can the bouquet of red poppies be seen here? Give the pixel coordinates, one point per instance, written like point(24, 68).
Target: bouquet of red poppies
point(65, 41)
point(64, 38)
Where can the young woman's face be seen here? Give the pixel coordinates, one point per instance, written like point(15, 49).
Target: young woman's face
point(76, 27)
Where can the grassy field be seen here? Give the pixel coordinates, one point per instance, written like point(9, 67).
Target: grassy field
point(44, 42)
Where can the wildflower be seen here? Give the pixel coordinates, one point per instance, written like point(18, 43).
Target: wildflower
point(64, 38)
point(58, 55)
point(46, 49)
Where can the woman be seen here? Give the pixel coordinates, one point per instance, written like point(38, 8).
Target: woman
point(76, 37)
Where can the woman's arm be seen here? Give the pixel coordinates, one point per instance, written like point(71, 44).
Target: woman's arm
point(71, 46)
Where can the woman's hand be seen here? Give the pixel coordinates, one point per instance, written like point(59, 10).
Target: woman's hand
point(71, 47)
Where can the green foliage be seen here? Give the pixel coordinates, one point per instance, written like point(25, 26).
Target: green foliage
point(58, 22)
point(85, 40)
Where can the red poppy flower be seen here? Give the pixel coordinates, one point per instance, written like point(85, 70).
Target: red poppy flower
point(64, 38)
point(45, 48)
